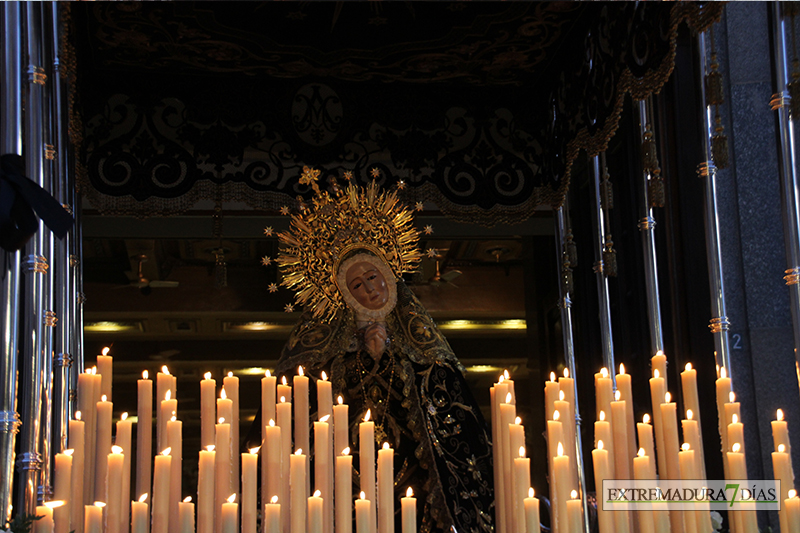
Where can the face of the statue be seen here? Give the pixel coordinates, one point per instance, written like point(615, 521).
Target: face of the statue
point(367, 285)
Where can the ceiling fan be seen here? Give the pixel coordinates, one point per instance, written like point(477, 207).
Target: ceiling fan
point(142, 283)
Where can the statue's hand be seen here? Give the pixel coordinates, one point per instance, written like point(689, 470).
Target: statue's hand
point(375, 340)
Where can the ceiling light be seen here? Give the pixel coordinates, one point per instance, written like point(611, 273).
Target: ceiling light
point(110, 327)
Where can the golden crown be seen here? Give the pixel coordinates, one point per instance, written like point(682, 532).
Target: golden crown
point(321, 235)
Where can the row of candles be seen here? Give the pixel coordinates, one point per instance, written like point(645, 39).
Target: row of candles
point(92, 485)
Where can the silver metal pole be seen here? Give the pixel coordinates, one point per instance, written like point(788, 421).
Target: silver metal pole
point(647, 227)
point(35, 268)
point(11, 141)
point(602, 282)
point(790, 194)
point(565, 304)
point(719, 322)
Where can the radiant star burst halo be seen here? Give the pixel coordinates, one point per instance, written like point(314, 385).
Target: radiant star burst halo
point(320, 236)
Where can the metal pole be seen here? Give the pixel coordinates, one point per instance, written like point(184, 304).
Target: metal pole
point(35, 267)
point(602, 282)
point(565, 304)
point(11, 141)
point(646, 227)
point(719, 322)
point(790, 203)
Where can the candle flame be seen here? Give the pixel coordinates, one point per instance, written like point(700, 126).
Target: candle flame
point(324, 376)
point(600, 444)
point(300, 371)
point(346, 451)
point(232, 498)
point(207, 375)
point(723, 373)
point(508, 398)
point(94, 370)
point(145, 374)
point(560, 449)
point(340, 400)
point(366, 416)
point(792, 493)
point(736, 447)
point(685, 447)
point(566, 372)
point(688, 367)
point(573, 494)
point(658, 353)
point(116, 449)
point(271, 423)
point(174, 418)
point(522, 451)
point(517, 421)
point(780, 414)
point(656, 374)
point(552, 376)
point(283, 381)
point(99, 504)
point(283, 399)
point(505, 374)
point(298, 451)
point(781, 448)
point(731, 397)
point(362, 495)
point(274, 499)
point(55, 503)
point(617, 395)
point(409, 493)
point(143, 498)
point(230, 374)
point(77, 415)
point(621, 369)
point(604, 372)
point(561, 395)
point(602, 416)
point(530, 492)
point(556, 415)
point(324, 418)
point(168, 395)
point(221, 420)
point(267, 373)
point(689, 414)
point(166, 451)
point(667, 398)
point(385, 445)
point(501, 379)
point(734, 419)
point(106, 350)
point(646, 418)
point(317, 493)
point(124, 416)
point(69, 451)
point(255, 450)
point(165, 370)
point(223, 395)
point(641, 452)
point(211, 447)
point(187, 499)
point(103, 398)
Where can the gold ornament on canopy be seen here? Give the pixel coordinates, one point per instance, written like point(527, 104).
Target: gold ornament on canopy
point(336, 222)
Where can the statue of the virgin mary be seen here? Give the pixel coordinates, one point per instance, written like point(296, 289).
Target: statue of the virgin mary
point(364, 327)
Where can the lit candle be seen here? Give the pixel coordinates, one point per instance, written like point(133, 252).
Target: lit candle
point(283, 411)
point(161, 490)
point(45, 523)
point(144, 434)
point(626, 395)
point(222, 468)
point(792, 504)
point(225, 408)
point(77, 443)
point(284, 390)
point(602, 470)
point(166, 409)
point(498, 394)
point(510, 384)
point(301, 425)
point(737, 465)
point(272, 516)
point(690, 397)
point(102, 447)
point(642, 471)
point(297, 468)
point(604, 391)
point(341, 425)
point(561, 469)
point(268, 398)
point(736, 431)
point(386, 489)
point(123, 440)
point(555, 436)
point(344, 492)
point(669, 421)
point(249, 498)
point(164, 382)
point(723, 390)
point(574, 515)
point(115, 463)
point(231, 385)
point(780, 432)
point(619, 427)
point(315, 512)
point(657, 391)
point(175, 443)
point(532, 524)
point(140, 515)
point(363, 522)
point(567, 387)
point(205, 490)
point(366, 442)
point(208, 393)
point(61, 487)
point(186, 515)
point(645, 432)
point(659, 362)
point(271, 461)
point(522, 482)
point(230, 511)
point(602, 432)
point(323, 466)
point(686, 458)
point(782, 469)
point(105, 369)
point(408, 512)
point(551, 390)
point(563, 407)
point(508, 412)
point(94, 518)
point(691, 434)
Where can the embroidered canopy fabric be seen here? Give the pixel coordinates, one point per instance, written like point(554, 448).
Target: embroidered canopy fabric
point(478, 107)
